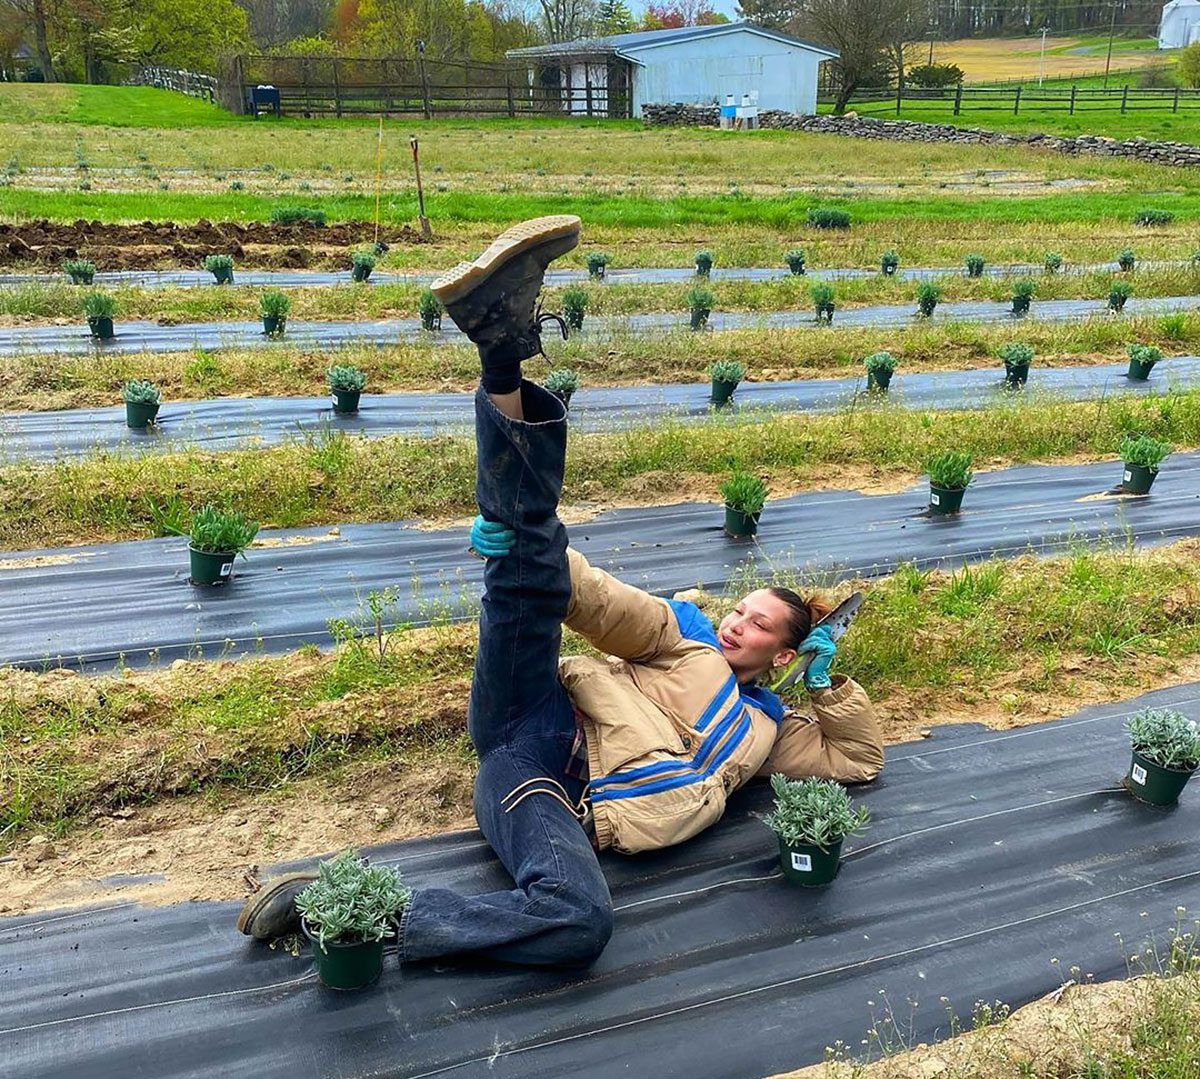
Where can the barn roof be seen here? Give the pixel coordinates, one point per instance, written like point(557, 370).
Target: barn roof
point(626, 44)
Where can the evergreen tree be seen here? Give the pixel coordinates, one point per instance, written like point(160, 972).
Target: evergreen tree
point(613, 17)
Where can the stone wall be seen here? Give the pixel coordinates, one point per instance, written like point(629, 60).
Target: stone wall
point(1162, 153)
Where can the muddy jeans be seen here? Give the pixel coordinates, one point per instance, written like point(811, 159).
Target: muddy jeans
point(521, 721)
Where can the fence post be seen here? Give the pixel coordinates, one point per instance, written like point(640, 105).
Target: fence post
point(1124, 97)
point(899, 95)
point(1017, 100)
point(424, 85)
point(1175, 103)
point(337, 89)
point(587, 89)
point(508, 90)
point(958, 99)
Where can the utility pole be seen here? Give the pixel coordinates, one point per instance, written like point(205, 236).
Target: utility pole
point(932, 35)
point(1042, 62)
point(1111, 29)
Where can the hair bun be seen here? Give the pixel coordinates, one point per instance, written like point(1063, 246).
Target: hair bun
point(818, 609)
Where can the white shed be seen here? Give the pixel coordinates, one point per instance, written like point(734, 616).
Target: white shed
point(694, 65)
point(1180, 24)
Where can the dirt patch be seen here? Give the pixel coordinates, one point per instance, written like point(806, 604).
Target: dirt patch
point(162, 245)
point(40, 561)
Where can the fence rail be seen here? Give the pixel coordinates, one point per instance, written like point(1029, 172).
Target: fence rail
point(343, 86)
point(1014, 100)
point(177, 79)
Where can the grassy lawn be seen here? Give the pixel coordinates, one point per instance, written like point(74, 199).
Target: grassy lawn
point(331, 478)
point(986, 60)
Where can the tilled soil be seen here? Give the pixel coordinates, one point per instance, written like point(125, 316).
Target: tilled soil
point(162, 245)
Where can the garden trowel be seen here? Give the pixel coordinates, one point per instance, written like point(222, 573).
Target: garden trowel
point(837, 622)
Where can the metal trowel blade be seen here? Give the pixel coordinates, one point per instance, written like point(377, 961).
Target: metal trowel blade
point(837, 622)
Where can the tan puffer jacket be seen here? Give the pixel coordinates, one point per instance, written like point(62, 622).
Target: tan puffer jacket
point(671, 734)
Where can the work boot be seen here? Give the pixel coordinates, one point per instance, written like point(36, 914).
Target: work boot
point(492, 300)
point(271, 911)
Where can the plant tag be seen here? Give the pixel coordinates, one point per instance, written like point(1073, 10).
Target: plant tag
point(226, 569)
point(934, 500)
point(1138, 774)
point(801, 862)
point(1128, 475)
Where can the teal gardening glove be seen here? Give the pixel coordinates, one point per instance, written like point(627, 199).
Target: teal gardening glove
point(819, 642)
point(491, 538)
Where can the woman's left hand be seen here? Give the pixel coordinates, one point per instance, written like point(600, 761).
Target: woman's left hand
point(820, 643)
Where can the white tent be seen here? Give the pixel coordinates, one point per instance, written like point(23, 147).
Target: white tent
point(1180, 24)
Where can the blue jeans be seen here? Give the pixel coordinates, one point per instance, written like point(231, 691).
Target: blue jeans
point(521, 721)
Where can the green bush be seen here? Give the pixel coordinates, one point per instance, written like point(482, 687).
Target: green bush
point(597, 261)
point(935, 76)
point(880, 361)
point(1118, 294)
point(821, 293)
point(1150, 218)
point(744, 492)
point(296, 215)
point(1145, 354)
point(1166, 737)
point(889, 264)
point(138, 392)
point(826, 218)
point(1188, 68)
point(1126, 259)
point(345, 378)
point(236, 185)
point(813, 812)
point(429, 307)
point(80, 271)
point(99, 305)
point(726, 371)
point(974, 265)
point(274, 304)
point(352, 901)
point(700, 304)
point(1145, 451)
point(928, 295)
point(1052, 261)
point(222, 532)
point(574, 305)
point(704, 262)
point(950, 470)
point(1015, 354)
point(562, 380)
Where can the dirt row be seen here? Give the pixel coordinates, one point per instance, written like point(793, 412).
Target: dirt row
point(165, 245)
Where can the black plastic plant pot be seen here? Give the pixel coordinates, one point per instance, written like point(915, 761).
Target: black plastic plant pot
point(740, 525)
point(703, 267)
point(1139, 370)
point(79, 278)
point(353, 965)
point(878, 379)
point(945, 499)
point(1020, 305)
point(346, 400)
point(1138, 479)
point(139, 413)
point(222, 277)
point(1150, 782)
point(810, 866)
point(564, 396)
point(1016, 375)
point(826, 312)
point(722, 392)
point(101, 327)
point(360, 273)
point(210, 567)
point(699, 319)
point(273, 325)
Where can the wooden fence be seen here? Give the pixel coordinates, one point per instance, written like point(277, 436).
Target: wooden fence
point(182, 82)
point(1018, 99)
point(346, 86)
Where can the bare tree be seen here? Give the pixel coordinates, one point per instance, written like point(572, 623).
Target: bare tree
point(566, 19)
point(863, 32)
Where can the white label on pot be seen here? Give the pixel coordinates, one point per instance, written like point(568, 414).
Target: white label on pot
point(1128, 475)
point(1138, 774)
point(934, 500)
point(802, 862)
point(226, 569)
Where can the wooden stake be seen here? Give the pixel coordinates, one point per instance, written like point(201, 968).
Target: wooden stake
point(425, 229)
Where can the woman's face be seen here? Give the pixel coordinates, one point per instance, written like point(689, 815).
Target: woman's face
point(752, 635)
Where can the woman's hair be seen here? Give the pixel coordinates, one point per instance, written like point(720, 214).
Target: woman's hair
point(803, 614)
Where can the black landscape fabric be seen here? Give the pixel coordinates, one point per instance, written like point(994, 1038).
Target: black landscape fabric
point(138, 336)
point(995, 862)
point(244, 422)
point(94, 605)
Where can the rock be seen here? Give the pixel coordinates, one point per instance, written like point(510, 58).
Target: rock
point(382, 816)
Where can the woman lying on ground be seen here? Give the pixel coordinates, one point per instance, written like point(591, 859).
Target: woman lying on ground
point(634, 752)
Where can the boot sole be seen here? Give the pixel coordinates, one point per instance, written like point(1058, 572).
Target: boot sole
point(560, 230)
point(261, 901)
